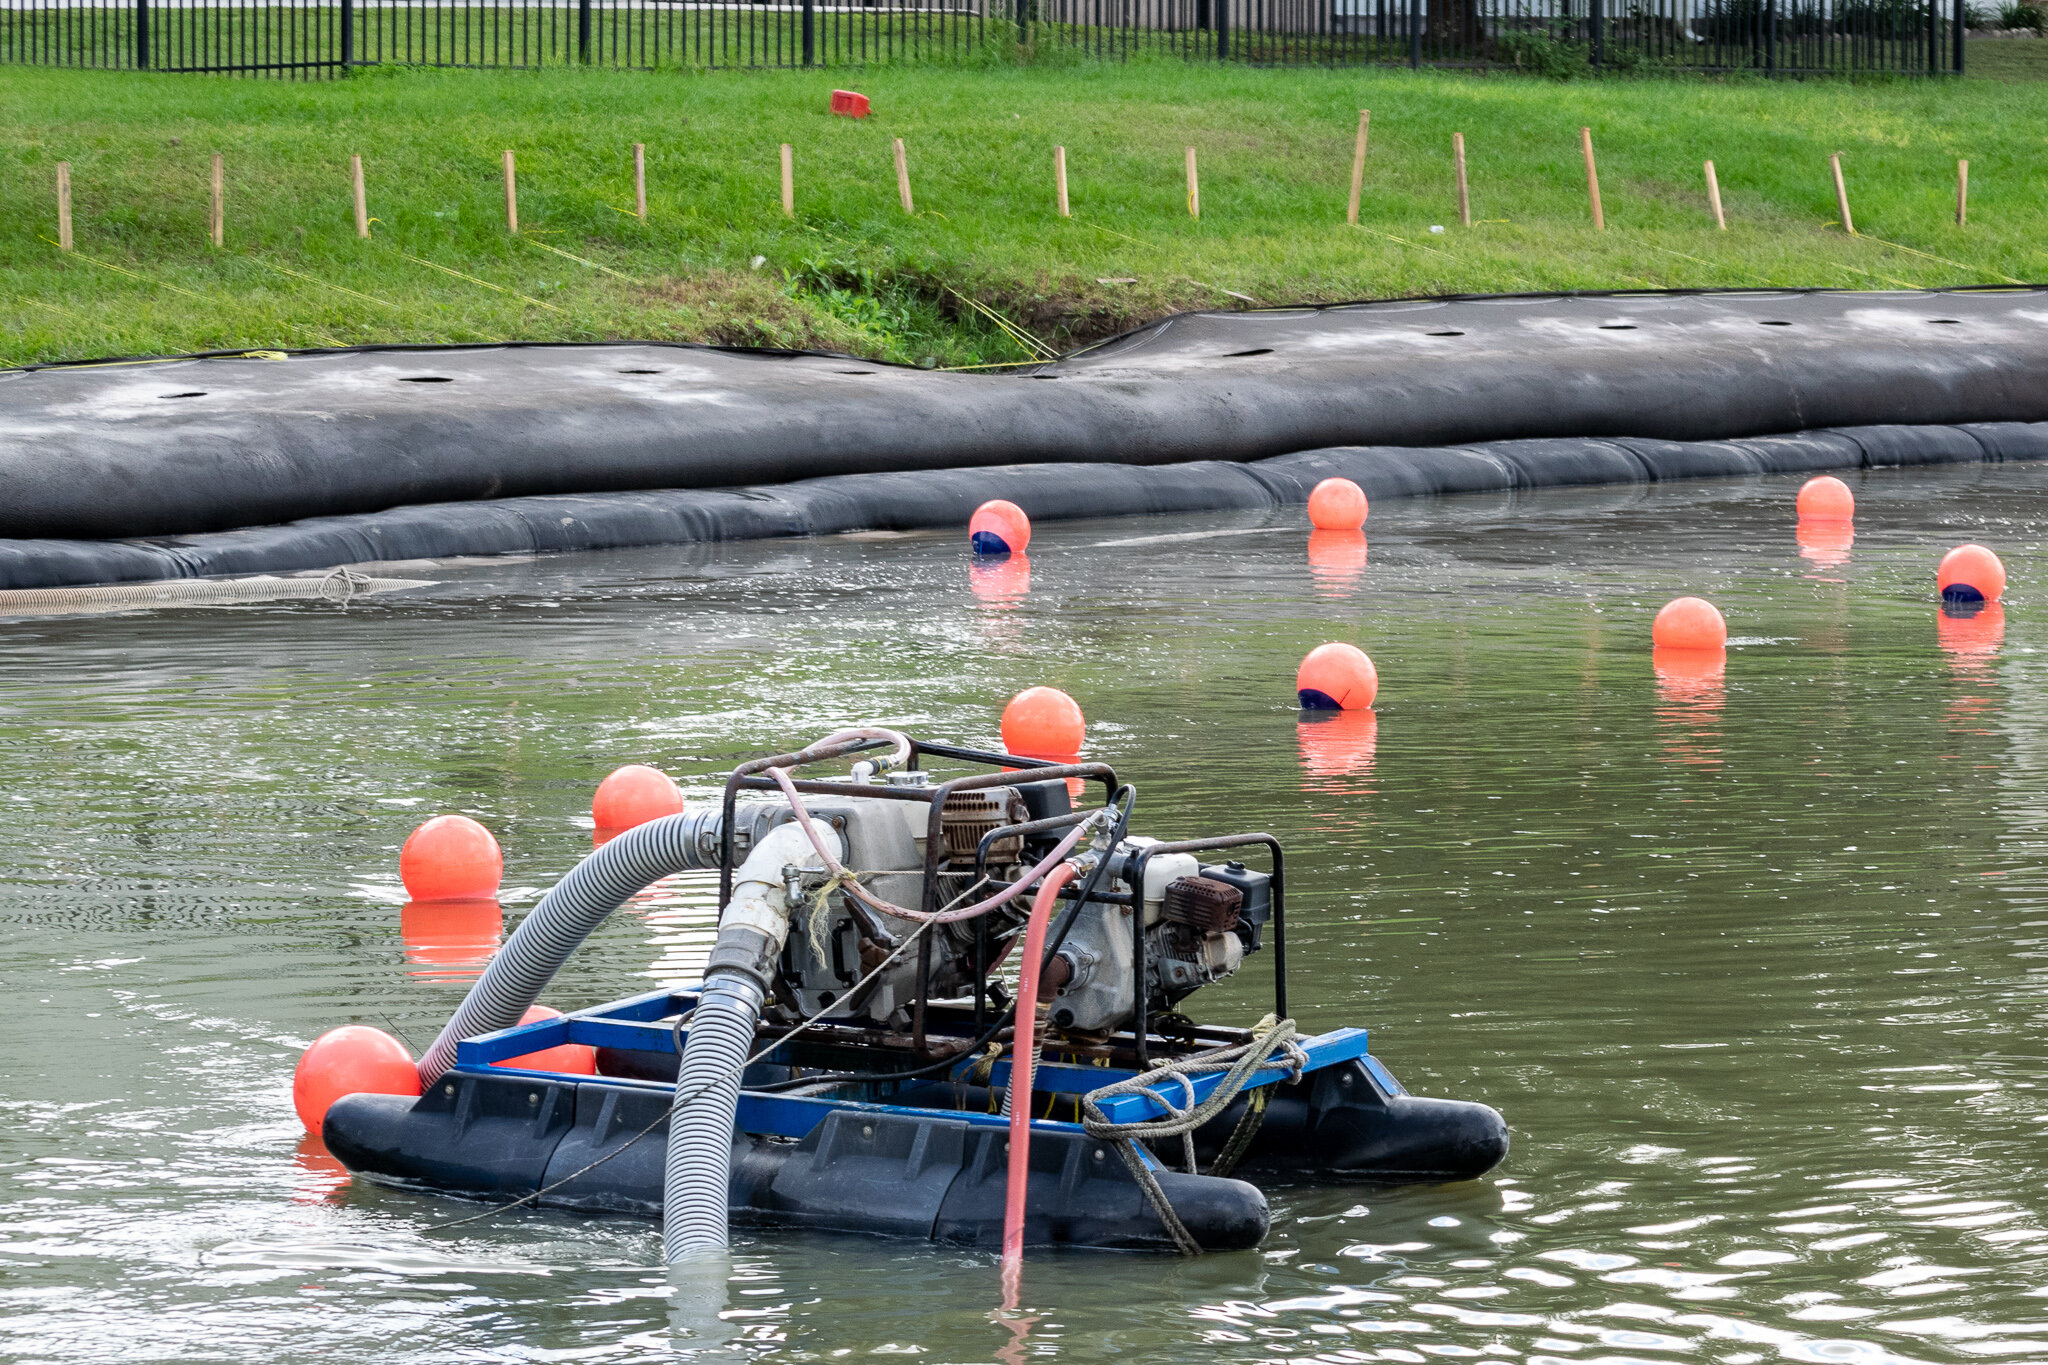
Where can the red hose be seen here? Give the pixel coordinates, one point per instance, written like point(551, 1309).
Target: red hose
point(1023, 1054)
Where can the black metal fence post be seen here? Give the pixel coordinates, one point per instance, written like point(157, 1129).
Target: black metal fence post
point(348, 35)
point(1596, 19)
point(1222, 30)
point(1415, 34)
point(1957, 24)
point(583, 31)
point(1770, 18)
point(142, 35)
point(810, 32)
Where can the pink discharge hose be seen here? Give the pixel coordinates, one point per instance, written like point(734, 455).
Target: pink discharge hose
point(1023, 1057)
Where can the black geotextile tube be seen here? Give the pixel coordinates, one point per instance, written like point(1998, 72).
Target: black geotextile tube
point(1048, 492)
point(182, 447)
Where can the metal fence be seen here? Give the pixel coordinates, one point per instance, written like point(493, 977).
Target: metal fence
point(326, 37)
point(1552, 37)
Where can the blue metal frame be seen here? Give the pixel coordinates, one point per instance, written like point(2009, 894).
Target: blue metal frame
point(635, 1023)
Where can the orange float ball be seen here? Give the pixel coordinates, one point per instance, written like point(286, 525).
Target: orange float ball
point(1970, 573)
point(633, 795)
point(1689, 623)
point(1043, 722)
point(1336, 677)
point(351, 1060)
point(575, 1058)
point(1337, 505)
point(1826, 498)
point(999, 528)
point(451, 858)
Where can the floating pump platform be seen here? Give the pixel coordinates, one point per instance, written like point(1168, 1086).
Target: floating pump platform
point(919, 1158)
point(852, 1063)
point(275, 463)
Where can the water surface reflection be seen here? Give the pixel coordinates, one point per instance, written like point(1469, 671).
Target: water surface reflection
point(1749, 961)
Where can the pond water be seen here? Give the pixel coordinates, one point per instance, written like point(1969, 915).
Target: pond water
point(1750, 964)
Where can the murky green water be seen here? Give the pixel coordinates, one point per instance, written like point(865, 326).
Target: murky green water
point(1753, 967)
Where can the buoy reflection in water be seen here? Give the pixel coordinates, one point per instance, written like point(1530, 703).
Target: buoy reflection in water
point(1691, 690)
point(1970, 633)
point(318, 1177)
point(1336, 560)
point(1826, 543)
point(1338, 745)
point(450, 939)
point(1002, 582)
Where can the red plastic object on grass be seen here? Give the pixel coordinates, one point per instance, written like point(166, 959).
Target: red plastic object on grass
point(850, 103)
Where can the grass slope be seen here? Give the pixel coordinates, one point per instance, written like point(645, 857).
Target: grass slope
point(716, 260)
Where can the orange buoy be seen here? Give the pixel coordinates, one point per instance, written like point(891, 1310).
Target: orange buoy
point(633, 795)
point(451, 858)
point(1337, 505)
point(351, 1060)
point(1826, 498)
point(1043, 722)
point(577, 1059)
point(1336, 677)
point(1970, 573)
point(1689, 623)
point(999, 528)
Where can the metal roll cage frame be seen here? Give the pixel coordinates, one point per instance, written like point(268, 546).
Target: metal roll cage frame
point(746, 777)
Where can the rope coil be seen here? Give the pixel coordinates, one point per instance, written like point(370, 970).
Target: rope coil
point(1237, 1063)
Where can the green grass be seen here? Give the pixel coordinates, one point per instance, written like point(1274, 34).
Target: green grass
point(852, 272)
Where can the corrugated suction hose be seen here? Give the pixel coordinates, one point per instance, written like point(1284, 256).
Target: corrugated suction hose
point(737, 980)
point(700, 1127)
point(751, 928)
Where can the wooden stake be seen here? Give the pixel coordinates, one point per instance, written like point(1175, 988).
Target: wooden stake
point(1464, 198)
point(640, 180)
point(1358, 168)
point(903, 179)
point(788, 181)
point(355, 176)
point(1841, 194)
point(219, 221)
point(64, 206)
point(1714, 198)
point(511, 194)
point(1592, 180)
point(1059, 179)
point(1194, 188)
point(1962, 193)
